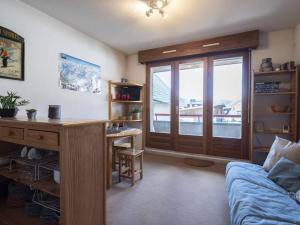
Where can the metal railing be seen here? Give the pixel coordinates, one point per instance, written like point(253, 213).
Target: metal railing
point(198, 116)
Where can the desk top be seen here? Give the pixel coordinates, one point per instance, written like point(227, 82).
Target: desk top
point(125, 133)
point(42, 121)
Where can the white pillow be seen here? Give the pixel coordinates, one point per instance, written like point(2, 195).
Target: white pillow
point(275, 152)
point(292, 152)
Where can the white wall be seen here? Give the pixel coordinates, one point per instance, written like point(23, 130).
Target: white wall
point(46, 37)
point(297, 44)
point(279, 45)
point(136, 72)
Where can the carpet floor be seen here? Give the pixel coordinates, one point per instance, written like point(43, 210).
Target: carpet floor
point(171, 193)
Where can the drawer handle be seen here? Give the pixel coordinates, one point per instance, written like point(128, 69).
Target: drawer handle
point(41, 137)
point(11, 133)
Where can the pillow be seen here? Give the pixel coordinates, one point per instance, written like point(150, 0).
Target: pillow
point(286, 174)
point(275, 152)
point(292, 152)
point(298, 196)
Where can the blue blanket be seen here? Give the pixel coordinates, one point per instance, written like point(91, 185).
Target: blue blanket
point(256, 200)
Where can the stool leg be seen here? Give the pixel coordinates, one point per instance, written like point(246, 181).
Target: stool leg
point(120, 167)
point(132, 170)
point(142, 166)
point(114, 160)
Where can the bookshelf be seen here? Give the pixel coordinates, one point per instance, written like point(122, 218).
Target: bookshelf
point(267, 123)
point(123, 98)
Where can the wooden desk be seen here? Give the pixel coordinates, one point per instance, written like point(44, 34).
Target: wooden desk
point(132, 133)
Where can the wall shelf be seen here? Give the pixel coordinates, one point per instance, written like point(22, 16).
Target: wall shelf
point(261, 149)
point(127, 101)
point(275, 113)
point(126, 121)
point(276, 93)
point(126, 84)
point(274, 73)
point(121, 108)
point(273, 132)
point(273, 122)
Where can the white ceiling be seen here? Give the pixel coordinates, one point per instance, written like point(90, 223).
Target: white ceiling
point(123, 25)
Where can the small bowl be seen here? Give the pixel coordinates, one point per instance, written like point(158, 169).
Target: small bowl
point(279, 109)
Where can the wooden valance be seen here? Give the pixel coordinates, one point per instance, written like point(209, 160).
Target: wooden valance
point(246, 40)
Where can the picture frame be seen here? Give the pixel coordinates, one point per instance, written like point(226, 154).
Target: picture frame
point(79, 75)
point(285, 129)
point(12, 52)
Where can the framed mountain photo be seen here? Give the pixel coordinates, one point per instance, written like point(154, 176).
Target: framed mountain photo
point(11, 55)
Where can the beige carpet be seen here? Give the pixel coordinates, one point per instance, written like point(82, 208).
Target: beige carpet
point(171, 193)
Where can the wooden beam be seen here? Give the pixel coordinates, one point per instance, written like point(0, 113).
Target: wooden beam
point(246, 40)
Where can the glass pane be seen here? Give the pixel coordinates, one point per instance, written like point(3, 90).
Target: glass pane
point(191, 99)
point(160, 99)
point(227, 97)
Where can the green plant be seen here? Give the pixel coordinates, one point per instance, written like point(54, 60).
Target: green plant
point(135, 110)
point(31, 110)
point(11, 101)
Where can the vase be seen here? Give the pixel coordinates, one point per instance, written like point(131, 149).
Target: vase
point(136, 116)
point(6, 113)
point(31, 115)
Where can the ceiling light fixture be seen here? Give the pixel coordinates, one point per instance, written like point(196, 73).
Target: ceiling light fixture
point(157, 5)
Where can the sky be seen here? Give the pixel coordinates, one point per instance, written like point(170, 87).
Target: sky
point(227, 82)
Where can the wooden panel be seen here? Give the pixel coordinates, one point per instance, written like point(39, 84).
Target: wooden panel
point(83, 175)
point(11, 132)
point(190, 144)
point(42, 137)
point(15, 216)
point(231, 148)
point(159, 141)
point(220, 44)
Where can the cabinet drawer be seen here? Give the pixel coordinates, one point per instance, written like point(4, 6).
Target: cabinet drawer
point(42, 137)
point(11, 132)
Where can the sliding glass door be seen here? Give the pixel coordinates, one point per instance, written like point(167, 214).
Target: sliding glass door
point(190, 102)
point(199, 105)
point(228, 108)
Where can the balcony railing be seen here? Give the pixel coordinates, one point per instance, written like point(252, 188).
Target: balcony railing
point(199, 117)
point(192, 124)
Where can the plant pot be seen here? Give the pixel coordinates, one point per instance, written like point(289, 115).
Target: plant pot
point(5, 113)
point(31, 115)
point(136, 116)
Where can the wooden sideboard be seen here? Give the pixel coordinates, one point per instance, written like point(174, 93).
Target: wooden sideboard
point(81, 149)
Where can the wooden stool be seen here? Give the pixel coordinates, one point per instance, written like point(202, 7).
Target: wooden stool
point(128, 158)
point(116, 149)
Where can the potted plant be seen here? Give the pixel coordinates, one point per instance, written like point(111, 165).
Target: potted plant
point(136, 114)
point(9, 104)
point(31, 114)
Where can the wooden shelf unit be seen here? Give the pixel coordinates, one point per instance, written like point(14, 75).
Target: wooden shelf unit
point(127, 105)
point(273, 121)
point(81, 149)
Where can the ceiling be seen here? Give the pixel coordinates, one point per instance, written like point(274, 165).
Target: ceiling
point(122, 24)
